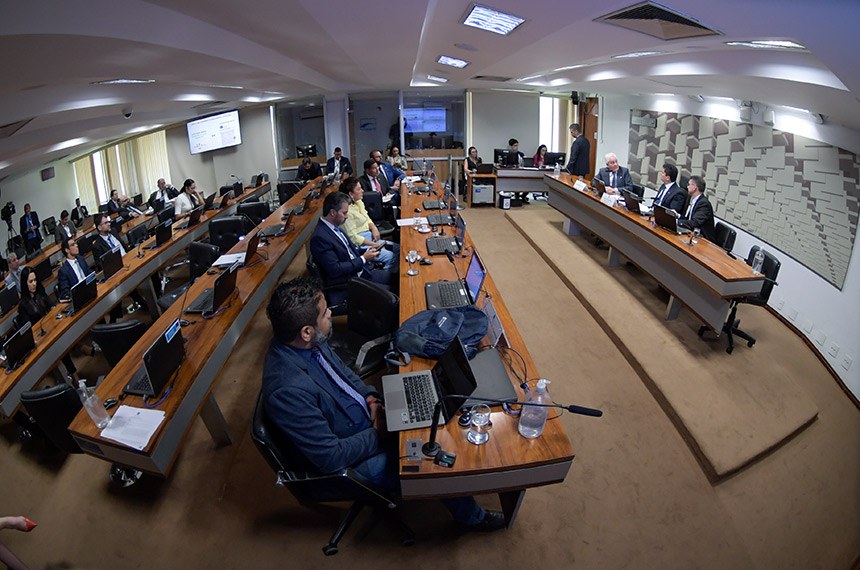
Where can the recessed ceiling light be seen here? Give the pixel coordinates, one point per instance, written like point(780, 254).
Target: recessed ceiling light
point(569, 67)
point(121, 81)
point(485, 18)
point(634, 54)
point(511, 90)
point(68, 144)
point(768, 44)
point(452, 61)
point(437, 79)
point(226, 86)
point(529, 78)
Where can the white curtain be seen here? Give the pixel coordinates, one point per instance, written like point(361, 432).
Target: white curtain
point(86, 183)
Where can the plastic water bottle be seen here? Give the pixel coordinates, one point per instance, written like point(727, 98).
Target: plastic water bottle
point(556, 171)
point(93, 405)
point(758, 261)
point(533, 418)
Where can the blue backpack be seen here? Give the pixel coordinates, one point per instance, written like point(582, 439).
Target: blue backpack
point(427, 334)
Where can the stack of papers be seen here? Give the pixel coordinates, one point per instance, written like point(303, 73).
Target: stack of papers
point(229, 259)
point(132, 426)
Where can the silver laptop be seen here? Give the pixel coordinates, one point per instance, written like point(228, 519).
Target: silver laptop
point(410, 397)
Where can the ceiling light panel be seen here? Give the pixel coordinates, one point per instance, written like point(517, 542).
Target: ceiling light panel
point(121, 81)
point(634, 54)
point(485, 18)
point(769, 44)
point(452, 61)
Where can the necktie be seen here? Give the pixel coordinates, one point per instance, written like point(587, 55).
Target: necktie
point(77, 269)
point(375, 184)
point(662, 193)
point(341, 383)
point(342, 237)
point(612, 180)
point(690, 208)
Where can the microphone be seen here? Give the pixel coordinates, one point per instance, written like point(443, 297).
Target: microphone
point(450, 257)
point(432, 448)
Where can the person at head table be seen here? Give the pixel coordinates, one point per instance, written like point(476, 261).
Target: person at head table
point(308, 170)
point(539, 158)
point(700, 213)
point(615, 177)
point(396, 160)
point(338, 165)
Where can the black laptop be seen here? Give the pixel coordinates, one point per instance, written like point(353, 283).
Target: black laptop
point(163, 232)
point(633, 204)
point(160, 362)
point(446, 219)
point(446, 294)
point(83, 292)
point(43, 270)
point(111, 263)
point(668, 219)
point(306, 204)
point(8, 299)
point(437, 204)
point(211, 299)
point(410, 397)
point(453, 244)
point(192, 220)
point(209, 201)
point(279, 229)
point(19, 346)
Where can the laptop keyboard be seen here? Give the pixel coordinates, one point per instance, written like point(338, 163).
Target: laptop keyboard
point(140, 382)
point(204, 301)
point(420, 399)
point(442, 244)
point(450, 293)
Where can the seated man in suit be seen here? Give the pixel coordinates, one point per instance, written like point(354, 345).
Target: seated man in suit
point(615, 177)
point(106, 240)
point(114, 205)
point(371, 180)
point(13, 278)
point(332, 418)
point(308, 170)
point(79, 213)
point(338, 165)
point(73, 269)
point(337, 259)
point(393, 175)
point(670, 195)
point(165, 192)
point(29, 225)
point(65, 229)
point(700, 213)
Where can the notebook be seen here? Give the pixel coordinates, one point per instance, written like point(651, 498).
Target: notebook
point(211, 299)
point(244, 258)
point(446, 294)
point(306, 204)
point(410, 397)
point(666, 218)
point(193, 219)
point(441, 244)
point(19, 346)
point(278, 229)
point(485, 168)
point(83, 292)
point(8, 298)
point(111, 263)
point(209, 201)
point(160, 361)
point(598, 187)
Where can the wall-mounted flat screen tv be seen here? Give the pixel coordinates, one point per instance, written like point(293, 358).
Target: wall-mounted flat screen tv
point(425, 119)
point(214, 132)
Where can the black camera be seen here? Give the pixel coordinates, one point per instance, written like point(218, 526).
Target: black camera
point(7, 212)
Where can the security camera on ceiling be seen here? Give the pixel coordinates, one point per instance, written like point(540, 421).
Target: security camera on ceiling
point(127, 112)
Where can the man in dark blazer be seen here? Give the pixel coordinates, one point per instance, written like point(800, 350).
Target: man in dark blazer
point(73, 269)
point(338, 165)
point(372, 180)
point(333, 419)
point(115, 205)
point(29, 225)
point(79, 213)
point(579, 152)
point(615, 177)
point(165, 192)
point(700, 213)
point(670, 195)
point(106, 240)
point(65, 230)
point(308, 170)
point(337, 259)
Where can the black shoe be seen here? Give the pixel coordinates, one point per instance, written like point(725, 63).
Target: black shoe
point(493, 520)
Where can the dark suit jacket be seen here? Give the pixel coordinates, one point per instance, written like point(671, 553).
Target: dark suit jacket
point(172, 193)
point(345, 166)
point(36, 308)
point(60, 234)
point(332, 257)
point(308, 174)
point(101, 247)
point(306, 407)
point(78, 218)
point(66, 277)
point(674, 198)
point(702, 217)
point(623, 180)
point(383, 183)
point(114, 207)
point(579, 151)
point(23, 225)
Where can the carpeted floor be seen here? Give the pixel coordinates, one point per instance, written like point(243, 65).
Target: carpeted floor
point(635, 497)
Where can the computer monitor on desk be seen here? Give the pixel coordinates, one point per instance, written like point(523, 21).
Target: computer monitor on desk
point(550, 159)
point(505, 157)
point(306, 150)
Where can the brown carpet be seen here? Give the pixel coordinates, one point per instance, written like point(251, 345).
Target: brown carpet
point(635, 496)
point(728, 420)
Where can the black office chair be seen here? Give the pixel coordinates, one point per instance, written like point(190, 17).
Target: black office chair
point(115, 339)
point(639, 190)
point(201, 256)
point(308, 485)
point(224, 232)
point(770, 270)
point(257, 211)
point(724, 236)
point(224, 189)
point(287, 190)
point(373, 314)
point(377, 212)
point(48, 226)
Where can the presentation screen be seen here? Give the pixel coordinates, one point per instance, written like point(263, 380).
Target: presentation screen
point(425, 120)
point(214, 132)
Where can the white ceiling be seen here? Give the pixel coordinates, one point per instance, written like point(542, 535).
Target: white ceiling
point(52, 50)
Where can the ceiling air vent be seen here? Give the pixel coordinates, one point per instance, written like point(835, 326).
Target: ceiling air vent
point(497, 78)
point(7, 131)
point(657, 21)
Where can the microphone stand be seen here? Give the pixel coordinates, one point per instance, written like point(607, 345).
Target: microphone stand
point(432, 448)
point(450, 257)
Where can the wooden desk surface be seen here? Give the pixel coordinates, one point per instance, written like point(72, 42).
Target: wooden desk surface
point(515, 462)
point(208, 345)
point(63, 333)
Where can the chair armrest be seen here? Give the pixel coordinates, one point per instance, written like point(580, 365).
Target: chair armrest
point(368, 346)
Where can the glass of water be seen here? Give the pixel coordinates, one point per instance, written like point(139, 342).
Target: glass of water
point(479, 429)
point(411, 258)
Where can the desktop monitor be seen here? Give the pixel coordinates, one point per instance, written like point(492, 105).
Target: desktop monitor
point(505, 157)
point(553, 158)
point(306, 150)
point(165, 214)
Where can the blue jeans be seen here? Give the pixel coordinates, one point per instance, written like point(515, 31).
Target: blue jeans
point(390, 259)
point(379, 471)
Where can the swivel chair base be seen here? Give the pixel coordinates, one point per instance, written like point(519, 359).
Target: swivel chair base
point(330, 549)
point(730, 327)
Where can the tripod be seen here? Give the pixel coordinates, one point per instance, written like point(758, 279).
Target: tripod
point(10, 236)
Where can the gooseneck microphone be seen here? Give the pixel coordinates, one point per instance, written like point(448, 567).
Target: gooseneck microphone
point(432, 448)
point(450, 257)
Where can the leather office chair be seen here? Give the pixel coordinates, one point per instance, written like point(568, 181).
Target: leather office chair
point(224, 232)
point(257, 211)
point(724, 236)
point(308, 485)
point(201, 256)
point(373, 315)
point(376, 211)
point(770, 270)
point(48, 226)
point(287, 190)
point(639, 190)
point(115, 339)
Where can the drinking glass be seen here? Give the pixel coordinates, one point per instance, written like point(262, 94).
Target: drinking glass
point(411, 258)
point(479, 430)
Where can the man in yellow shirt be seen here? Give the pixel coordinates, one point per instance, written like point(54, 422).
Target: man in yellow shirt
point(361, 230)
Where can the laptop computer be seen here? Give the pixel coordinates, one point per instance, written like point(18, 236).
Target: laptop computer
point(161, 360)
point(8, 299)
point(437, 204)
point(165, 214)
point(243, 259)
point(83, 292)
point(137, 200)
point(211, 299)
point(306, 204)
point(440, 245)
point(598, 187)
point(633, 204)
point(85, 244)
point(485, 168)
point(279, 229)
point(666, 218)
point(19, 346)
point(410, 397)
point(163, 232)
point(87, 224)
point(209, 201)
point(192, 220)
point(43, 270)
point(111, 263)
point(446, 294)
point(447, 219)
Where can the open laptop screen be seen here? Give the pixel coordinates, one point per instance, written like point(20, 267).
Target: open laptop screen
point(454, 376)
point(164, 356)
point(475, 277)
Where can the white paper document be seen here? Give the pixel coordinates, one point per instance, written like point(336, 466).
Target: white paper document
point(132, 426)
point(229, 259)
point(416, 221)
